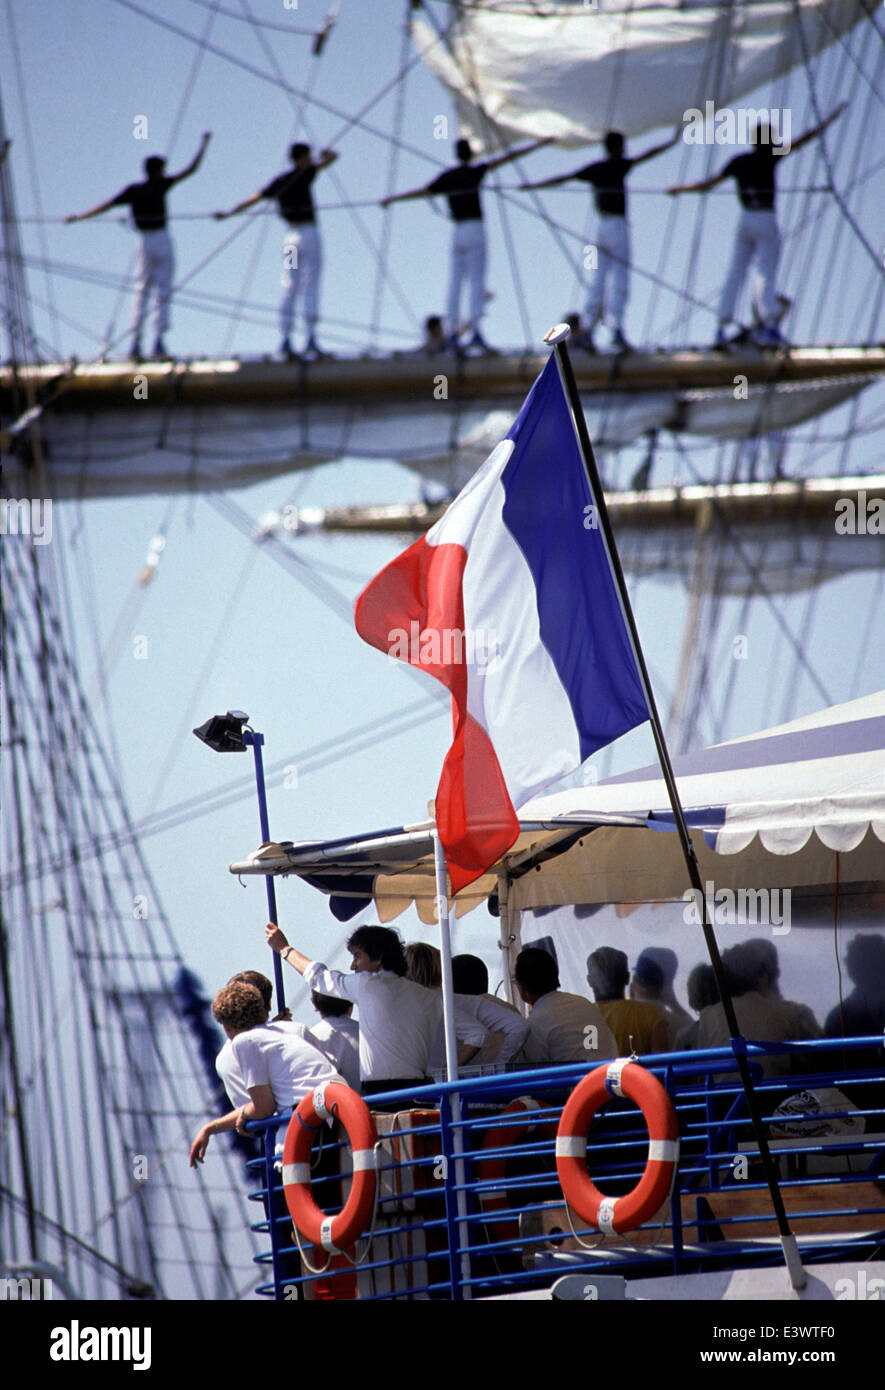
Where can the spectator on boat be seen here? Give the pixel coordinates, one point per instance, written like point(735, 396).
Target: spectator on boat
point(562, 1027)
point(226, 1064)
point(278, 1066)
point(612, 243)
point(156, 258)
point(702, 991)
point(638, 1024)
point(758, 237)
point(760, 959)
point(506, 1029)
point(862, 1013)
point(338, 1035)
point(653, 976)
point(302, 251)
point(761, 1015)
point(423, 964)
point(398, 1019)
point(460, 185)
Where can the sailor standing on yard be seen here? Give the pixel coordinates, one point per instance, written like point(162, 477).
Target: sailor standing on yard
point(302, 252)
point(156, 260)
point(460, 184)
point(612, 232)
point(758, 236)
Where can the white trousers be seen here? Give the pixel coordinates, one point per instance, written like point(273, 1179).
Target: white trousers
point(154, 272)
point(302, 264)
point(759, 239)
point(612, 259)
point(468, 267)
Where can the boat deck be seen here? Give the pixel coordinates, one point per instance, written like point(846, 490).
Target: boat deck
point(469, 1202)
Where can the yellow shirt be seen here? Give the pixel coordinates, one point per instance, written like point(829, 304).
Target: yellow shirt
point(633, 1017)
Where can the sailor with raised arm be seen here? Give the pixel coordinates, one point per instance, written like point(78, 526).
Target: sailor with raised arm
point(460, 185)
point(156, 259)
point(302, 250)
point(399, 1019)
point(758, 237)
point(612, 233)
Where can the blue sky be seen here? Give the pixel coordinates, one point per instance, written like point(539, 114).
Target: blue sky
point(225, 626)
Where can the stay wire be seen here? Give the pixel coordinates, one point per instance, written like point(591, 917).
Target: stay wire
point(191, 79)
point(32, 162)
point(392, 170)
point(822, 145)
point(276, 80)
point(755, 575)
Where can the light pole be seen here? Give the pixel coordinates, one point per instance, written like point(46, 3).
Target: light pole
point(230, 733)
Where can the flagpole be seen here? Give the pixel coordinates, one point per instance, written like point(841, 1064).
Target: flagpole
point(556, 338)
point(451, 1040)
point(442, 916)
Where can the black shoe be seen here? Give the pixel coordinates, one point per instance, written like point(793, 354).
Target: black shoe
point(620, 342)
point(159, 352)
point(135, 354)
point(287, 351)
point(313, 351)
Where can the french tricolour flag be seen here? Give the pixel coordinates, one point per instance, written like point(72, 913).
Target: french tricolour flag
point(509, 600)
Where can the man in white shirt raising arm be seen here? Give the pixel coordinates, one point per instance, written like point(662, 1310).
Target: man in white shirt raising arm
point(398, 1019)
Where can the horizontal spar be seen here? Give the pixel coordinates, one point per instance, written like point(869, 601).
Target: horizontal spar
point(91, 386)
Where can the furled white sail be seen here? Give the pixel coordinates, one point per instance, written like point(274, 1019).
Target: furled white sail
point(131, 452)
point(571, 71)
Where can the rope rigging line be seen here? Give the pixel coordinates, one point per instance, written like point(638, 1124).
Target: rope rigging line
point(216, 8)
point(58, 760)
point(66, 1234)
point(205, 301)
point(191, 79)
point(822, 145)
point(277, 81)
point(238, 310)
point(756, 578)
point(237, 590)
point(83, 907)
point(316, 757)
point(392, 170)
point(333, 176)
point(32, 161)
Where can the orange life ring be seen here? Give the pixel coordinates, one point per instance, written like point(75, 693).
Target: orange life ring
point(494, 1169)
point(614, 1215)
point(333, 1233)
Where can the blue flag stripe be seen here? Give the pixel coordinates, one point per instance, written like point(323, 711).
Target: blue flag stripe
point(549, 513)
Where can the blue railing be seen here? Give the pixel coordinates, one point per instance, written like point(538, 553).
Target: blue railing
point(469, 1202)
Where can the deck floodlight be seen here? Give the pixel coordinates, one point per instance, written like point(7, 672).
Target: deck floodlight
point(224, 732)
point(228, 733)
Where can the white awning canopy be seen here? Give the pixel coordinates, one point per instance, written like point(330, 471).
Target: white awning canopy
point(795, 806)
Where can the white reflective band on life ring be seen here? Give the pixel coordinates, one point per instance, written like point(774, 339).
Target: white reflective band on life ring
point(364, 1159)
point(326, 1237)
point(666, 1150)
point(295, 1172)
point(528, 1102)
point(319, 1102)
point(571, 1145)
point(605, 1217)
point(613, 1075)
